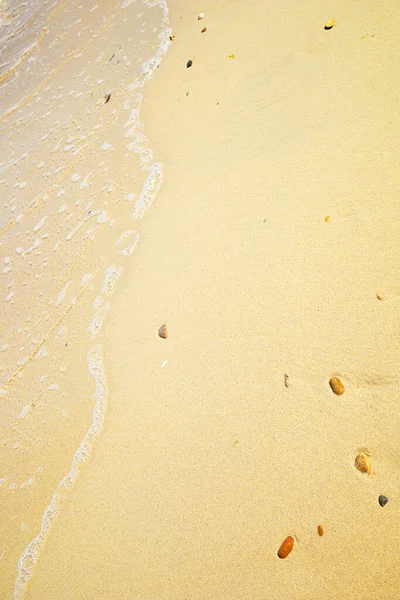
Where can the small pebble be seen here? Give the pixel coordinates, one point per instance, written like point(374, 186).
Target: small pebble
point(380, 296)
point(362, 463)
point(204, 30)
point(189, 64)
point(286, 380)
point(162, 332)
point(107, 98)
point(327, 219)
point(320, 530)
point(200, 16)
point(383, 500)
point(329, 24)
point(171, 38)
point(337, 386)
point(286, 547)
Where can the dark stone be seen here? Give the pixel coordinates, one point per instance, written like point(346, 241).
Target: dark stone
point(189, 63)
point(383, 500)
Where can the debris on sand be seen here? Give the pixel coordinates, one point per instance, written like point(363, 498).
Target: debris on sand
point(162, 332)
point(329, 24)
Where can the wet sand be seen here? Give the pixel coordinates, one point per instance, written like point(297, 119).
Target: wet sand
point(271, 254)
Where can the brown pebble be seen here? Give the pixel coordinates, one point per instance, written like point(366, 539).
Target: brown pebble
point(380, 296)
point(107, 98)
point(337, 386)
point(362, 463)
point(162, 332)
point(204, 30)
point(171, 38)
point(320, 530)
point(286, 380)
point(286, 547)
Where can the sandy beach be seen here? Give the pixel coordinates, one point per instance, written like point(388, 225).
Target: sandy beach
point(270, 250)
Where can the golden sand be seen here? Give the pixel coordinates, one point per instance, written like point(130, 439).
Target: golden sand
point(207, 459)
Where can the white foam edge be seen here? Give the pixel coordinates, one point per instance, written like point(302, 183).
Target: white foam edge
point(31, 554)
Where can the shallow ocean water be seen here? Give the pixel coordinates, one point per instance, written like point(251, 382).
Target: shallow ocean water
point(77, 175)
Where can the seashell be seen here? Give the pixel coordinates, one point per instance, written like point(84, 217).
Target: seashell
point(171, 38)
point(204, 30)
point(329, 24)
point(162, 332)
point(200, 16)
point(286, 380)
point(286, 547)
point(320, 530)
point(362, 463)
point(337, 386)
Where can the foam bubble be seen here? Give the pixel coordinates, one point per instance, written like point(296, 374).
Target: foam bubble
point(62, 293)
point(130, 235)
point(110, 279)
point(129, 197)
point(40, 224)
point(24, 411)
point(149, 191)
point(86, 278)
point(98, 319)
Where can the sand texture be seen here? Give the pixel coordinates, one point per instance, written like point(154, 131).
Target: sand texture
point(270, 261)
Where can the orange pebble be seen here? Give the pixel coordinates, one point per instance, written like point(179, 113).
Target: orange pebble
point(320, 530)
point(204, 30)
point(286, 547)
point(363, 463)
point(337, 386)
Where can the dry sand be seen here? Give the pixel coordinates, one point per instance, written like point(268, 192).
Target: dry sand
point(275, 229)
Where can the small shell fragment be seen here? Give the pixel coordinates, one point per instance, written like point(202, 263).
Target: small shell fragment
point(286, 380)
point(286, 547)
point(329, 24)
point(337, 386)
point(162, 332)
point(200, 16)
point(320, 530)
point(362, 463)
